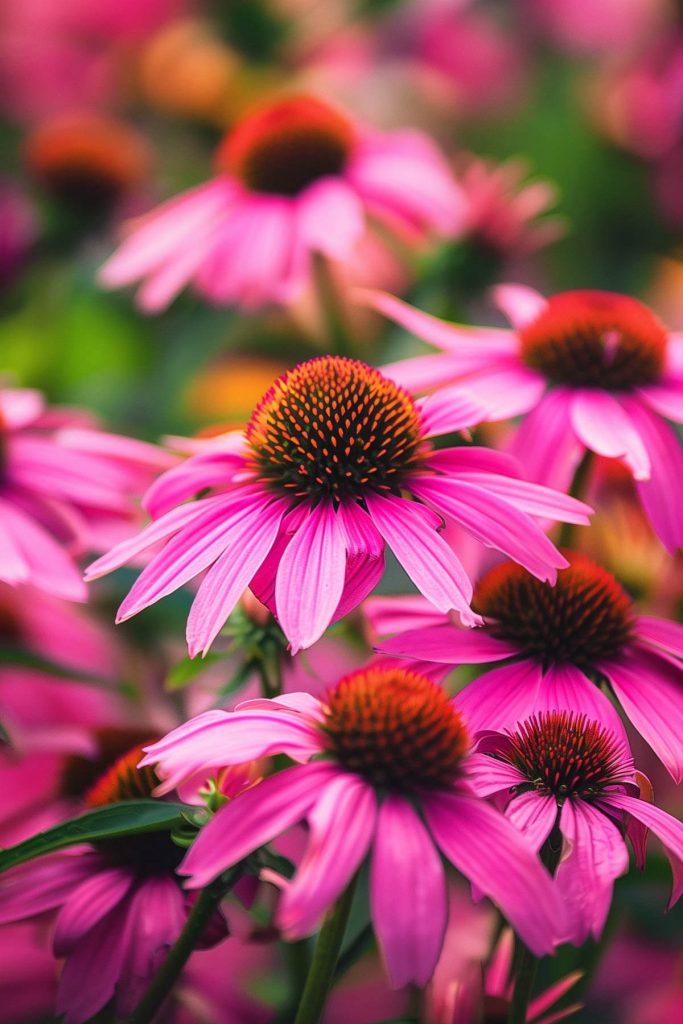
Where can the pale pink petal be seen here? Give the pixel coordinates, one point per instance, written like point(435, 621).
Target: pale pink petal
point(448, 411)
point(164, 282)
point(502, 697)
point(666, 399)
point(662, 633)
point(604, 425)
point(667, 829)
point(341, 826)
point(305, 703)
point(50, 568)
point(534, 499)
point(89, 903)
point(310, 577)
point(662, 494)
point(410, 530)
point(489, 851)
point(494, 522)
point(650, 690)
point(255, 817)
point(424, 373)
point(448, 645)
point(20, 406)
point(596, 856)
point(503, 391)
point(330, 218)
point(564, 687)
point(545, 443)
point(395, 614)
point(408, 900)
point(520, 304)
point(250, 539)
point(488, 775)
point(13, 566)
point(534, 815)
point(214, 469)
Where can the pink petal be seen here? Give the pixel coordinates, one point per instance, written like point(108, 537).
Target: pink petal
point(534, 499)
point(502, 697)
point(666, 399)
point(330, 218)
point(88, 904)
point(474, 460)
point(396, 614)
point(667, 828)
point(249, 539)
point(448, 645)
point(520, 304)
point(596, 855)
point(93, 969)
point(363, 573)
point(13, 566)
point(662, 494)
point(407, 894)
point(310, 578)
point(545, 443)
point(44, 884)
point(410, 530)
point(448, 411)
point(534, 815)
point(662, 633)
point(214, 469)
point(489, 851)
point(20, 406)
point(50, 567)
point(604, 425)
point(503, 391)
point(341, 826)
point(488, 775)
point(564, 687)
point(255, 817)
point(649, 689)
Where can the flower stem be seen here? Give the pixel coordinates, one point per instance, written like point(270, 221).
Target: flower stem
point(321, 973)
point(338, 336)
point(198, 918)
point(576, 490)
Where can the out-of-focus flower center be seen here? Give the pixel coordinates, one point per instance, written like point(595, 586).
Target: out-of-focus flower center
point(395, 728)
point(287, 146)
point(123, 781)
point(585, 618)
point(564, 754)
point(595, 339)
point(334, 427)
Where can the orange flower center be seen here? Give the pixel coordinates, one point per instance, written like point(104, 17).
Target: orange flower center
point(285, 147)
point(335, 427)
point(595, 339)
point(395, 728)
point(585, 618)
point(564, 754)
point(123, 780)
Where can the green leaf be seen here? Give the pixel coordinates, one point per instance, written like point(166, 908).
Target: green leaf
point(130, 817)
point(25, 659)
point(186, 670)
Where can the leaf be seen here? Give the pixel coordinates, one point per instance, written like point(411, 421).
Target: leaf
point(186, 670)
point(25, 659)
point(130, 817)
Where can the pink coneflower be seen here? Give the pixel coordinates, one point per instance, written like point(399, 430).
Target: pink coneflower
point(294, 178)
point(592, 370)
point(556, 642)
point(300, 506)
point(561, 770)
point(120, 904)
point(383, 742)
point(65, 489)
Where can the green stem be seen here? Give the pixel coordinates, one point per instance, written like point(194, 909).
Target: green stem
point(321, 973)
point(198, 918)
point(270, 674)
point(576, 490)
point(338, 336)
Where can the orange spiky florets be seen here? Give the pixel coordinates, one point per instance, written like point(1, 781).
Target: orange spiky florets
point(123, 780)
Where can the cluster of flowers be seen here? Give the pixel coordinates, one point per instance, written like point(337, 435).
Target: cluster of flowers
point(524, 780)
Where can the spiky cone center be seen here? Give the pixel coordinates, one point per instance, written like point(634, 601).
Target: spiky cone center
point(396, 728)
point(285, 147)
point(334, 427)
point(596, 339)
point(584, 619)
point(565, 754)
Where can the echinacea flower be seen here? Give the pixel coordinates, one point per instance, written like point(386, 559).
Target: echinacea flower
point(120, 904)
point(555, 644)
point(591, 370)
point(294, 178)
point(65, 489)
point(384, 769)
point(567, 771)
point(300, 506)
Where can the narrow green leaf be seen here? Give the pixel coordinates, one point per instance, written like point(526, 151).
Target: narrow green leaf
point(186, 670)
point(130, 817)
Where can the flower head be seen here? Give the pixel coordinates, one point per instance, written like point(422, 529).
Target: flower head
point(384, 769)
point(295, 177)
point(300, 506)
point(592, 370)
point(564, 771)
point(555, 644)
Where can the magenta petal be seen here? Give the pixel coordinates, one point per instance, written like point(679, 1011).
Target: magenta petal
point(13, 566)
point(449, 410)
point(564, 687)
point(43, 885)
point(448, 645)
point(534, 499)
point(93, 969)
point(604, 425)
point(667, 828)
point(88, 904)
point(50, 568)
point(310, 577)
point(407, 894)
point(253, 818)
point(534, 815)
point(545, 443)
point(666, 399)
point(502, 697)
point(520, 303)
point(662, 494)
point(489, 851)
point(363, 573)
point(503, 391)
point(341, 826)
point(330, 217)
point(596, 855)
point(650, 690)
point(662, 633)
point(488, 775)
point(214, 469)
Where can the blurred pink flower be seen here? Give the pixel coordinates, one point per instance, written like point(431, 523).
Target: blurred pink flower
point(28, 980)
point(65, 489)
point(554, 641)
point(567, 771)
point(304, 501)
point(389, 738)
point(592, 370)
point(596, 26)
point(295, 178)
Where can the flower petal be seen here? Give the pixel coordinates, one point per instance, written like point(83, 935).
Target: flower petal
point(662, 494)
point(604, 425)
point(662, 633)
point(502, 697)
point(520, 303)
point(667, 829)
point(448, 645)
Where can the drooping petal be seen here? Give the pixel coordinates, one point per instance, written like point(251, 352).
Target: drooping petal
point(545, 443)
point(503, 391)
point(38, 886)
point(489, 851)
point(534, 499)
point(662, 494)
point(667, 829)
point(603, 424)
point(410, 530)
point(665, 399)
point(502, 697)
point(488, 775)
point(448, 645)
point(662, 633)
point(534, 815)
point(310, 577)
point(89, 903)
point(213, 469)
point(520, 304)
point(49, 567)
point(448, 411)
point(407, 894)
point(363, 573)
point(254, 818)
point(94, 967)
point(341, 827)
point(329, 218)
